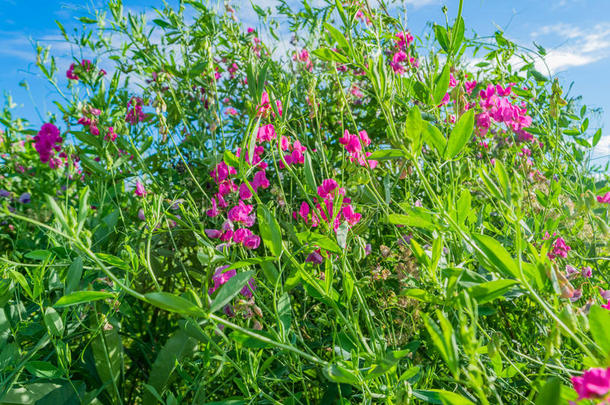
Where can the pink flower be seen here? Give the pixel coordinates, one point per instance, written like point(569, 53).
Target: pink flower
point(594, 383)
point(607, 306)
point(252, 242)
point(47, 142)
point(327, 187)
point(605, 199)
point(604, 293)
point(212, 212)
point(452, 81)
point(70, 73)
point(140, 191)
point(470, 86)
point(110, 135)
point(244, 192)
point(560, 248)
point(587, 272)
point(240, 213)
point(304, 211)
point(241, 234)
point(219, 278)
point(266, 133)
point(260, 180)
point(350, 216)
point(351, 142)
point(141, 215)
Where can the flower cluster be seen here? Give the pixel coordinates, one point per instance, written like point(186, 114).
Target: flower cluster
point(402, 42)
point(86, 65)
point(353, 145)
point(328, 191)
point(303, 57)
point(495, 103)
point(134, 111)
point(46, 143)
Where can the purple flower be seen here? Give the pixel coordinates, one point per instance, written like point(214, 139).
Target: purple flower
point(571, 271)
point(25, 198)
point(5, 194)
point(213, 233)
point(576, 295)
point(587, 272)
point(605, 294)
point(315, 257)
point(141, 215)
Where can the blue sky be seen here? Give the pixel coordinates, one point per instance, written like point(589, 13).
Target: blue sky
point(576, 34)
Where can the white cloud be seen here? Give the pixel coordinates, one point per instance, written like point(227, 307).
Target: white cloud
point(579, 46)
point(421, 3)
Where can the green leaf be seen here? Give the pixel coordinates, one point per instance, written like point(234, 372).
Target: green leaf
point(442, 37)
point(113, 261)
point(460, 135)
point(55, 326)
point(441, 84)
point(497, 255)
point(87, 20)
point(27, 394)
point(451, 398)
point(550, 394)
point(177, 348)
point(284, 314)
point(81, 297)
point(230, 289)
point(42, 369)
point(414, 125)
point(596, 137)
point(250, 342)
point(339, 374)
point(599, 319)
point(444, 340)
point(39, 255)
point(433, 137)
point(75, 272)
point(342, 234)
point(387, 154)
point(421, 92)
point(490, 290)
point(412, 220)
point(457, 35)
point(329, 55)
point(321, 241)
point(162, 23)
point(270, 230)
point(337, 36)
point(174, 303)
point(107, 350)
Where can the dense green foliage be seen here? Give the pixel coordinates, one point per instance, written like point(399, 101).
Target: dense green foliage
point(214, 227)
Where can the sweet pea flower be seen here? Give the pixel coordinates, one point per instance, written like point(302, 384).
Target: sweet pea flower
point(587, 272)
point(213, 233)
point(593, 384)
point(252, 242)
point(559, 248)
point(140, 191)
point(47, 142)
point(605, 199)
point(25, 198)
point(607, 306)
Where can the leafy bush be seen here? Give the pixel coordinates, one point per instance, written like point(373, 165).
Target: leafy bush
point(215, 216)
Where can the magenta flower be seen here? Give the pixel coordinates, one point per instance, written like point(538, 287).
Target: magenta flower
point(110, 135)
point(560, 248)
point(47, 142)
point(212, 212)
point(607, 306)
point(241, 234)
point(260, 180)
point(327, 188)
point(266, 133)
point(141, 215)
point(605, 199)
point(240, 213)
point(252, 242)
point(587, 272)
point(594, 383)
point(605, 294)
point(140, 191)
point(220, 277)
